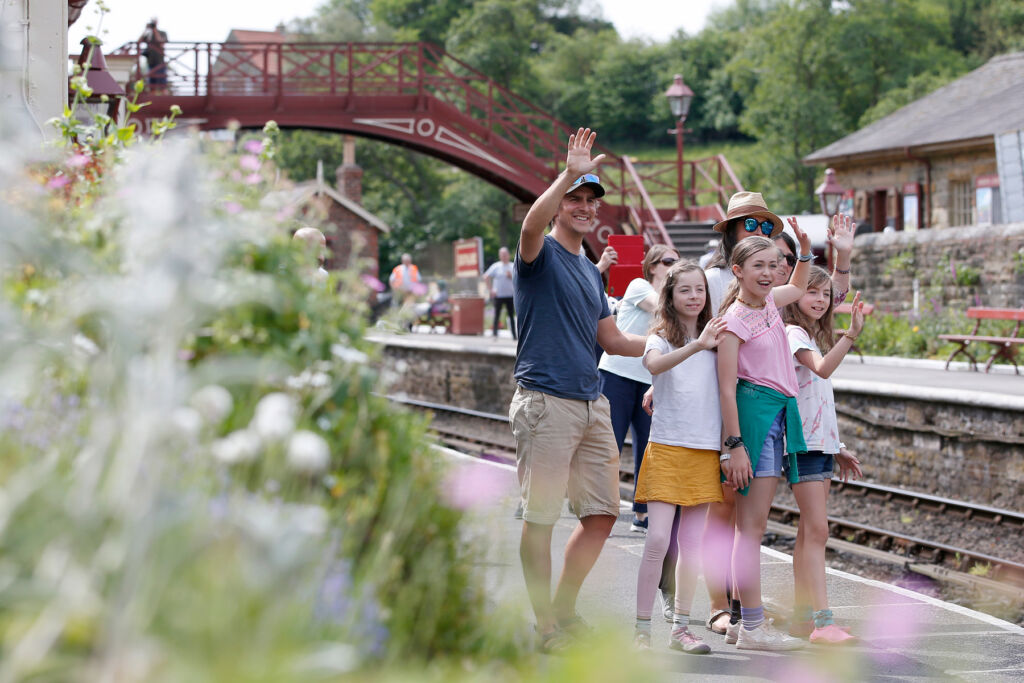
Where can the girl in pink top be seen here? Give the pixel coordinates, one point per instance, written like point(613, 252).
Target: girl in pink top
point(757, 390)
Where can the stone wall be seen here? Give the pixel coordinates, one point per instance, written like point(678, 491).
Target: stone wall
point(957, 267)
point(947, 449)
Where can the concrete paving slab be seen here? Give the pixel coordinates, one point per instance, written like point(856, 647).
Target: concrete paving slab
point(904, 635)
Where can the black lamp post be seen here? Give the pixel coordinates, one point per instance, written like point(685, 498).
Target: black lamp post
point(105, 90)
point(679, 97)
point(830, 193)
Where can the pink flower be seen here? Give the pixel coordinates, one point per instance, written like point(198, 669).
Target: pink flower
point(232, 207)
point(253, 146)
point(474, 484)
point(373, 283)
point(418, 288)
point(253, 178)
point(77, 161)
point(57, 182)
point(249, 162)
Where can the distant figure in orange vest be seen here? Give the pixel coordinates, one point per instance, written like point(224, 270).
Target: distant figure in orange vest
point(405, 278)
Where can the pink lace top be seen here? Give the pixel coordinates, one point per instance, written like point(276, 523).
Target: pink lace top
point(764, 356)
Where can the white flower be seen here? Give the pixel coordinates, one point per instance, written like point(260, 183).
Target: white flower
point(348, 354)
point(84, 345)
point(239, 446)
point(188, 422)
point(213, 402)
point(308, 453)
point(275, 416)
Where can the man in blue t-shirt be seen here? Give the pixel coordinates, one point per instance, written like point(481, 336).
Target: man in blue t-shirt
point(500, 281)
point(561, 422)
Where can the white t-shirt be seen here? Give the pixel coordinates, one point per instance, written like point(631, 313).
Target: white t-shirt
point(501, 279)
point(815, 399)
point(719, 280)
point(635, 320)
point(686, 408)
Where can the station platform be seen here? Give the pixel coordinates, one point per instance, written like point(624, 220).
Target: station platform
point(904, 635)
point(918, 379)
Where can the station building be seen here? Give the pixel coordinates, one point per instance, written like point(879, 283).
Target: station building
point(954, 157)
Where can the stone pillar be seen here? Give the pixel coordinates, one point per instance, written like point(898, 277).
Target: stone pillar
point(349, 174)
point(33, 64)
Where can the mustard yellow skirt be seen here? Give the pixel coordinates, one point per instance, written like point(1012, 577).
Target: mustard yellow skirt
point(679, 475)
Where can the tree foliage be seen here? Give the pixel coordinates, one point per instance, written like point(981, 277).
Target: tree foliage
point(789, 75)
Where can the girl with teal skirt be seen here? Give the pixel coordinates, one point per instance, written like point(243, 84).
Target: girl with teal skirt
point(757, 391)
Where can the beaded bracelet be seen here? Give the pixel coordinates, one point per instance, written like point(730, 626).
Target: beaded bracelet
point(840, 271)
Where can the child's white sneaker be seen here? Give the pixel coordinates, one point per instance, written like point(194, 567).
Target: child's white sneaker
point(767, 637)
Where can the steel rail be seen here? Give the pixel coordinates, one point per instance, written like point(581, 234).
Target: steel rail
point(938, 560)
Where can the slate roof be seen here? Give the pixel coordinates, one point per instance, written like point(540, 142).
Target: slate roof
point(987, 101)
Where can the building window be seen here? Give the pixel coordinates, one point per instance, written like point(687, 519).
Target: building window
point(961, 206)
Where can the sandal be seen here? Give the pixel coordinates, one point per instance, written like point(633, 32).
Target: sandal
point(554, 642)
point(715, 616)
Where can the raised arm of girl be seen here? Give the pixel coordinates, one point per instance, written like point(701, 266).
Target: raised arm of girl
point(824, 366)
point(657, 362)
point(794, 289)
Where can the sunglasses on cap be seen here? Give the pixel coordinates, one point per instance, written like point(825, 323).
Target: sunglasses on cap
point(668, 260)
point(751, 224)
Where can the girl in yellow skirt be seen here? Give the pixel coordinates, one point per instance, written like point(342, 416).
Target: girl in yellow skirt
point(680, 466)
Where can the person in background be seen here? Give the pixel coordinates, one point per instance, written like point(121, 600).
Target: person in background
point(501, 285)
point(560, 420)
point(315, 244)
point(405, 281)
point(155, 39)
point(710, 248)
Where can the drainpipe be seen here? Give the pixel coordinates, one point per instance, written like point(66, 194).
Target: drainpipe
point(928, 183)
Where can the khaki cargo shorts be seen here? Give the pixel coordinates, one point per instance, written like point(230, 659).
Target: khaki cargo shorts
point(564, 445)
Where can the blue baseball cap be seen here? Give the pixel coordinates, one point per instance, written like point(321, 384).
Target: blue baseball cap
point(589, 180)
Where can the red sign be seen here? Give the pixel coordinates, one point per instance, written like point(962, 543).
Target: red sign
point(987, 181)
point(469, 256)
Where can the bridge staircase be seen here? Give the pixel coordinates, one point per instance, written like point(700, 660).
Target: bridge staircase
point(418, 96)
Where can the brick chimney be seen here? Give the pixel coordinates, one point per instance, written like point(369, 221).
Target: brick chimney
point(350, 175)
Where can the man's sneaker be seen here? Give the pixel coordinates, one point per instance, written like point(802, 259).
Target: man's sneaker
point(832, 635)
point(683, 639)
point(639, 525)
point(668, 606)
point(766, 637)
point(732, 632)
point(641, 640)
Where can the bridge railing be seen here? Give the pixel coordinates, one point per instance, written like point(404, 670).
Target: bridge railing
point(422, 74)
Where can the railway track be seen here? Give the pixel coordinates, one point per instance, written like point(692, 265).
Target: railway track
point(487, 435)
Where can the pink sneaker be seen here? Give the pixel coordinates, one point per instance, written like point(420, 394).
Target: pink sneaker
point(832, 635)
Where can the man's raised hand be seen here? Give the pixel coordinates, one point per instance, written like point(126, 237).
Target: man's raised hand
point(578, 161)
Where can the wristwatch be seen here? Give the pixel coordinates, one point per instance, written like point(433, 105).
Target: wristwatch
point(732, 442)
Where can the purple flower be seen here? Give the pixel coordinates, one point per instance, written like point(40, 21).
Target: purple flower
point(57, 182)
point(77, 161)
point(373, 283)
point(249, 162)
point(253, 179)
point(253, 146)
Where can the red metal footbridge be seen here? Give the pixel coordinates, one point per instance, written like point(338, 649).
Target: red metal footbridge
point(418, 96)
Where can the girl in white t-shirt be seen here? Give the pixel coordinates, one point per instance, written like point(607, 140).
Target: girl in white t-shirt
point(810, 332)
point(680, 465)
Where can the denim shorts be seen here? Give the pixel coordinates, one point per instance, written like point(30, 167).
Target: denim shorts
point(769, 463)
point(814, 466)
